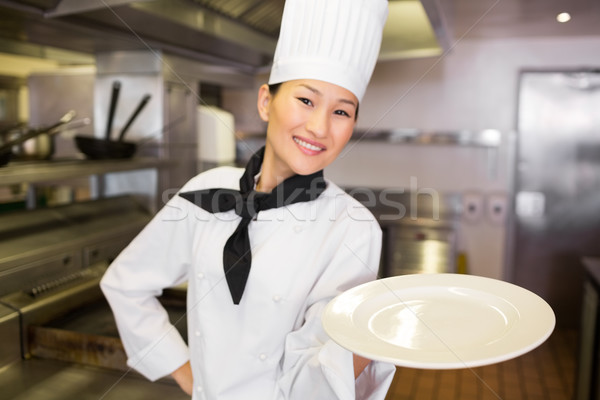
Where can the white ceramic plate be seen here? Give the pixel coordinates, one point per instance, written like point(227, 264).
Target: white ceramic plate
point(438, 321)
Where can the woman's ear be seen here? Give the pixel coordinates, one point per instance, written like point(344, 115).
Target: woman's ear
point(264, 99)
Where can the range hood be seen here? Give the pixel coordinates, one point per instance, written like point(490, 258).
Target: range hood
point(233, 33)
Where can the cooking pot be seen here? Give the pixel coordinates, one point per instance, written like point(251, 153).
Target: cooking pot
point(106, 148)
point(99, 149)
point(42, 147)
point(6, 149)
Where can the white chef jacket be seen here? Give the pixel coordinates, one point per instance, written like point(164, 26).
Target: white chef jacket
point(272, 345)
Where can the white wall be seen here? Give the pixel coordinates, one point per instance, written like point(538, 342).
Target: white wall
point(472, 87)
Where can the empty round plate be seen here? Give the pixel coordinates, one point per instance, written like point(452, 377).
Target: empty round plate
point(439, 321)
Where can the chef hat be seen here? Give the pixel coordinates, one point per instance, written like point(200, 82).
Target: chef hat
point(335, 41)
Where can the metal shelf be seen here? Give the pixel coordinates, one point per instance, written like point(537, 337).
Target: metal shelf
point(41, 171)
point(487, 138)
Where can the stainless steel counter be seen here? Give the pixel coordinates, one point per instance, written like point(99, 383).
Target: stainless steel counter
point(10, 331)
point(41, 247)
point(71, 348)
point(56, 380)
point(59, 338)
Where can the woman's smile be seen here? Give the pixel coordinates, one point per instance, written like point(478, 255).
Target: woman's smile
point(308, 147)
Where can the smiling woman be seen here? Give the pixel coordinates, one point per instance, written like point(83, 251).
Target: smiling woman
point(265, 248)
point(309, 123)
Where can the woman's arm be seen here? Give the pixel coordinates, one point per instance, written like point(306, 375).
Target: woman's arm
point(360, 363)
point(157, 258)
point(183, 377)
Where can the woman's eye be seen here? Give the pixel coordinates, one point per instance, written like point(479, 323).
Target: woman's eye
point(342, 112)
point(305, 101)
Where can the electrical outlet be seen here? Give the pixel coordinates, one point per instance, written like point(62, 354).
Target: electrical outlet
point(472, 206)
point(497, 208)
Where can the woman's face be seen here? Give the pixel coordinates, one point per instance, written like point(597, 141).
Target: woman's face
point(309, 123)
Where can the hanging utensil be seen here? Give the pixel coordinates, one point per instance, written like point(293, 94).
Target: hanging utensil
point(65, 119)
point(11, 128)
point(139, 108)
point(116, 88)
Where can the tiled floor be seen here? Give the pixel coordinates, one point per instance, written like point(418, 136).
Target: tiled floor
point(546, 373)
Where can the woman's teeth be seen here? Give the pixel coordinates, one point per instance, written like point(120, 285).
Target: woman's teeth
point(307, 145)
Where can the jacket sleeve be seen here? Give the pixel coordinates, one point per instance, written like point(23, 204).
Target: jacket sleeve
point(314, 366)
point(157, 258)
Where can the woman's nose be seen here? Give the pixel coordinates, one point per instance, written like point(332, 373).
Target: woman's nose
point(317, 123)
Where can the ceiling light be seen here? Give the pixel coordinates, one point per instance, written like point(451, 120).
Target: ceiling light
point(563, 17)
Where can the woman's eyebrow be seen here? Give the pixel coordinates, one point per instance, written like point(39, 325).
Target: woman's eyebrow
point(317, 92)
point(312, 89)
point(353, 104)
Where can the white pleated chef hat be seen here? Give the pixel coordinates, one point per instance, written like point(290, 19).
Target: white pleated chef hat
point(335, 41)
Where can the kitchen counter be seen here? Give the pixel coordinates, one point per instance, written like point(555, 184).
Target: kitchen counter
point(50, 379)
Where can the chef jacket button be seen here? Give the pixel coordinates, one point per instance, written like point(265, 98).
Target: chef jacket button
point(197, 333)
point(263, 357)
point(199, 388)
point(200, 275)
point(276, 298)
point(297, 229)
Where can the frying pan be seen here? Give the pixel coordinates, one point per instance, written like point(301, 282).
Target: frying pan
point(5, 149)
point(97, 148)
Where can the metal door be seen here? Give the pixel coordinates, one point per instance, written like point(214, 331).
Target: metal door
point(557, 193)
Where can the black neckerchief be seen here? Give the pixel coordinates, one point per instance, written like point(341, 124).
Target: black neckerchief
point(247, 202)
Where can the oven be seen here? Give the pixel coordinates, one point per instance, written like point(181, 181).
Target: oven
point(59, 336)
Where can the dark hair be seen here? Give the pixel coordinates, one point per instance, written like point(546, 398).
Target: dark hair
point(274, 88)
